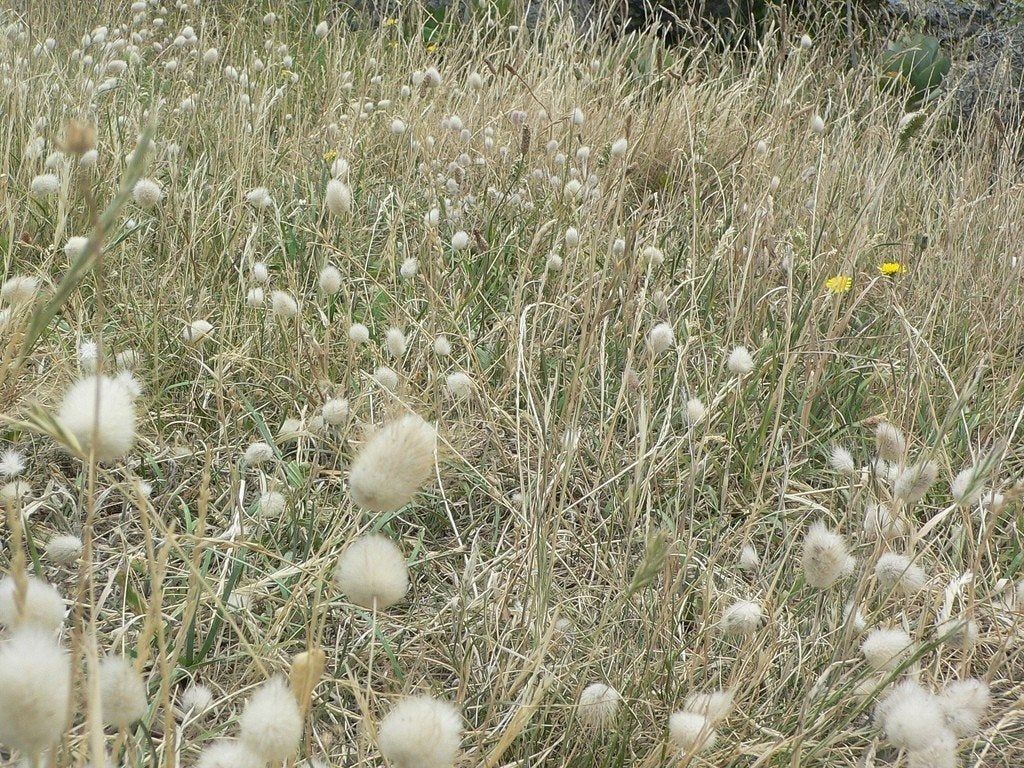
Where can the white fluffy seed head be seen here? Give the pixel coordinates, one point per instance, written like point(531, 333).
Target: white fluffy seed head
point(661, 338)
point(386, 377)
point(442, 347)
point(619, 148)
point(283, 305)
point(742, 618)
point(258, 453)
point(598, 706)
point(272, 505)
point(19, 289)
point(63, 549)
point(910, 716)
point(75, 246)
point(896, 571)
point(409, 268)
point(421, 732)
point(329, 280)
point(229, 753)
point(395, 342)
point(197, 331)
point(100, 414)
point(963, 704)
point(335, 411)
point(825, 557)
point(890, 444)
point(393, 464)
point(740, 361)
point(372, 572)
point(460, 240)
point(147, 193)
point(271, 724)
point(885, 649)
point(913, 482)
point(358, 333)
point(35, 688)
point(749, 560)
point(841, 461)
point(194, 701)
point(939, 753)
point(255, 297)
point(42, 607)
point(459, 385)
point(691, 732)
point(45, 185)
point(881, 522)
point(338, 197)
point(122, 692)
point(966, 487)
point(695, 410)
point(714, 705)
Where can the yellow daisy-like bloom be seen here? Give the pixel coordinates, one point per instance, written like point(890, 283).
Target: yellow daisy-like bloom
point(839, 284)
point(889, 268)
point(330, 156)
point(390, 22)
point(432, 47)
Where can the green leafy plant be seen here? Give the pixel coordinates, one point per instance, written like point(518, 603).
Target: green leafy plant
point(917, 65)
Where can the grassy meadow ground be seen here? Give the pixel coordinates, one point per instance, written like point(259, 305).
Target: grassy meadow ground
point(586, 519)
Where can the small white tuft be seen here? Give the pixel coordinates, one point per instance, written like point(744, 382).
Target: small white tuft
point(896, 571)
point(442, 347)
point(661, 338)
point(890, 444)
point(963, 704)
point(825, 558)
point(841, 461)
point(910, 716)
point(421, 732)
point(695, 410)
point(197, 331)
point(42, 607)
point(742, 618)
point(283, 305)
point(35, 688)
point(194, 701)
point(271, 724)
point(12, 463)
point(966, 487)
point(392, 465)
point(913, 482)
point(64, 550)
point(20, 289)
point(386, 377)
point(229, 753)
point(147, 193)
point(459, 385)
point(272, 505)
point(886, 649)
point(691, 732)
point(338, 197)
point(329, 280)
point(714, 705)
point(880, 521)
point(598, 706)
point(359, 333)
point(100, 414)
point(335, 411)
point(258, 453)
point(122, 692)
point(371, 572)
point(740, 362)
point(395, 342)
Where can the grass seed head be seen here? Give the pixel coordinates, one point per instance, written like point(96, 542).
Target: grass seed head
point(421, 732)
point(372, 573)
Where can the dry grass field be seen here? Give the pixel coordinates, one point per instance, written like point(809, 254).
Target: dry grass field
point(473, 395)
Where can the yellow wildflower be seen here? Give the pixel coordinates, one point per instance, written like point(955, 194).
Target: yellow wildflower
point(839, 284)
point(390, 22)
point(432, 47)
point(330, 156)
point(889, 268)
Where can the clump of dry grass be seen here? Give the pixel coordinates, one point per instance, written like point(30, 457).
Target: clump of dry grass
point(493, 384)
